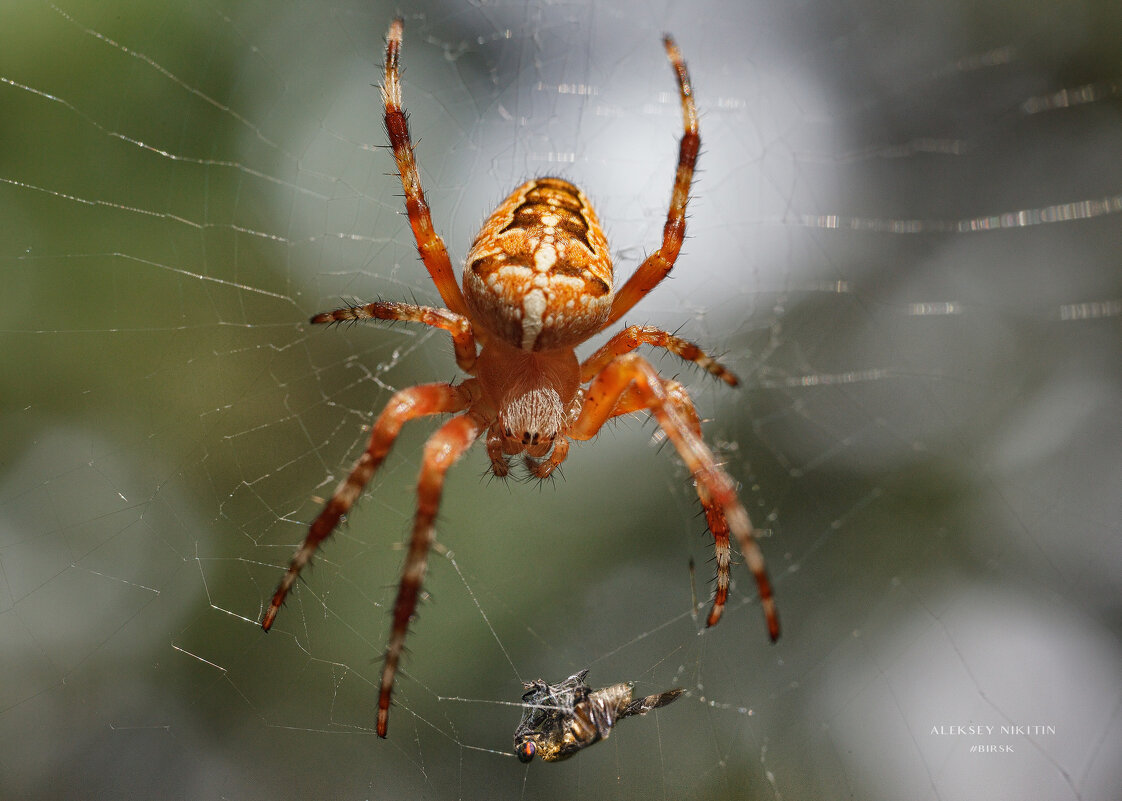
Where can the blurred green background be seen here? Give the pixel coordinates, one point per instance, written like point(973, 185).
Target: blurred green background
point(904, 239)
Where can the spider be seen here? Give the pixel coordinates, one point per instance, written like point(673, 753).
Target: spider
point(537, 283)
point(561, 719)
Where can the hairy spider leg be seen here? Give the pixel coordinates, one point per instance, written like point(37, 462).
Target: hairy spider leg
point(442, 449)
point(633, 336)
point(714, 514)
point(408, 404)
point(429, 244)
point(460, 327)
point(633, 376)
point(658, 264)
point(632, 401)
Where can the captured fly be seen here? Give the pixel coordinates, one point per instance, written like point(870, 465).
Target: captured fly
point(561, 719)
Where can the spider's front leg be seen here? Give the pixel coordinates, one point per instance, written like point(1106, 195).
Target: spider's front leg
point(629, 383)
point(441, 451)
point(408, 404)
point(634, 400)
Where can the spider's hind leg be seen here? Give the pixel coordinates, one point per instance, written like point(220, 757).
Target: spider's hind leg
point(658, 265)
point(429, 244)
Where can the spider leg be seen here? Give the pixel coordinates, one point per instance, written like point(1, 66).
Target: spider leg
point(442, 449)
point(633, 336)
point(463, 335)
point(633, 400)
point(429, 244)
point(408, 404)
point(659, 263)
point(632, 379)
point(714, 514)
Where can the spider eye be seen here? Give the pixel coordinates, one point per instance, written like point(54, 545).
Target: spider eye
point(526, 750)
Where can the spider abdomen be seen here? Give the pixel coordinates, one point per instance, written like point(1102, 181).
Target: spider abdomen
point(539, 275)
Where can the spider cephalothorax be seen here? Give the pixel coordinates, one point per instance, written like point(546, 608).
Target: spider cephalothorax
point(534, 396)
point(538, 282)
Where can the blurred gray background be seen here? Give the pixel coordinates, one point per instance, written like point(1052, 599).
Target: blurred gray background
point(905, 239)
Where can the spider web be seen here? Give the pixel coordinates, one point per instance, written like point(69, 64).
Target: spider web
point(905, 240)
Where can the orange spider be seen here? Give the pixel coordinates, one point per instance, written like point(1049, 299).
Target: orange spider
point(537, 283)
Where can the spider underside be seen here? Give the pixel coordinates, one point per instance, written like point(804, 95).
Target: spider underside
point(537, 283)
